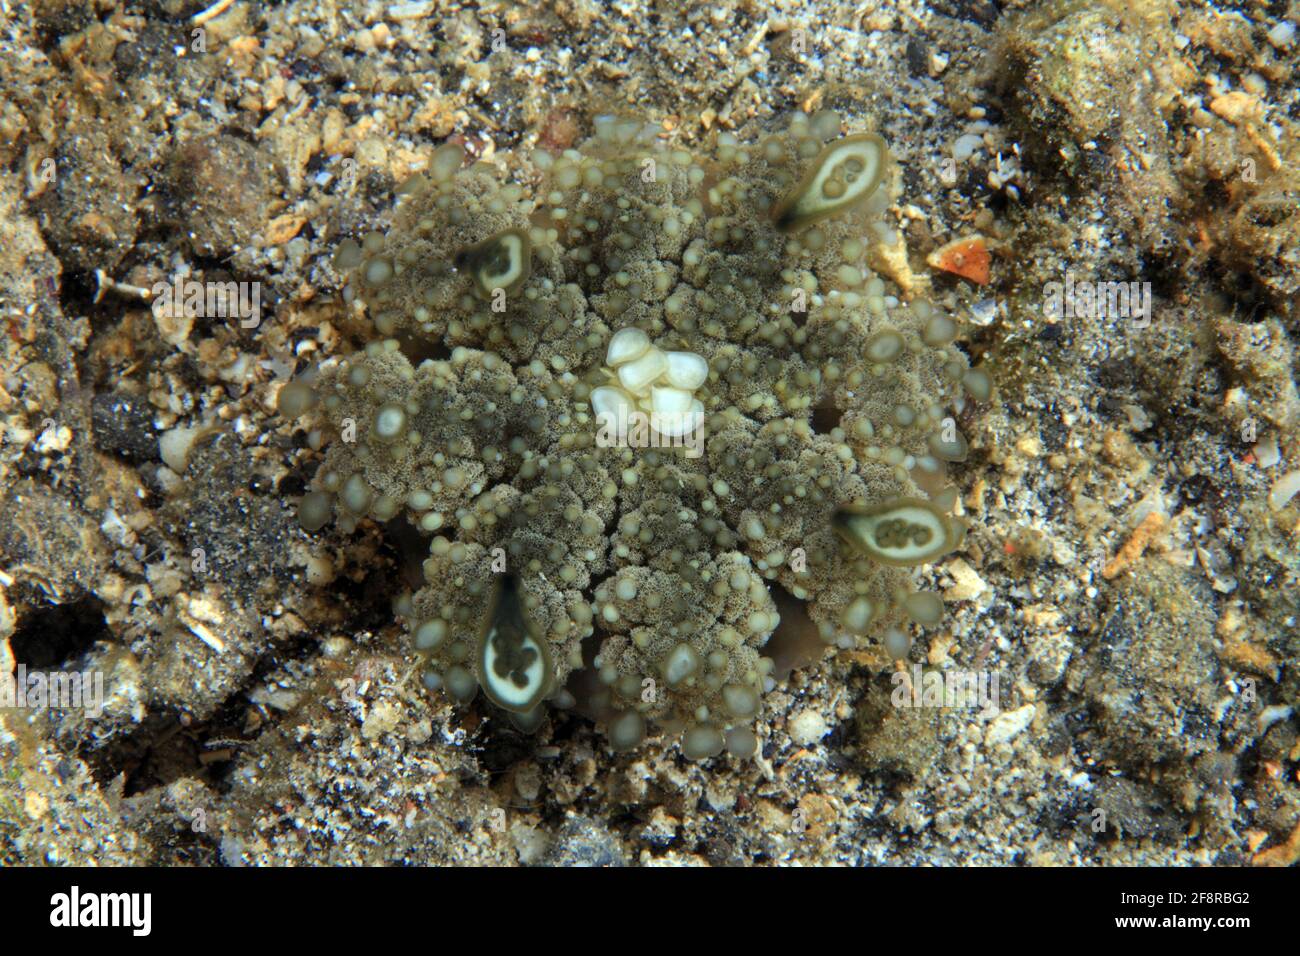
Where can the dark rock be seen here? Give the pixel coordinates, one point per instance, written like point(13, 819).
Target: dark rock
point(123, 425)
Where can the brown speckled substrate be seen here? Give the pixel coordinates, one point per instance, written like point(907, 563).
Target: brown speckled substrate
point(1148, 667)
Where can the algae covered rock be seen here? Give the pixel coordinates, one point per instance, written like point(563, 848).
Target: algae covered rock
point(1152, 670)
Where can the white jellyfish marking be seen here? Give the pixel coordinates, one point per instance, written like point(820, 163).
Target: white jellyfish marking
point(844, 173)
point(901, 532)
point(502, 261)
point(515, 669)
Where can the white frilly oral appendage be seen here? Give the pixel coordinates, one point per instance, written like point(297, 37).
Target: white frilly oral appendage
point(650, 380)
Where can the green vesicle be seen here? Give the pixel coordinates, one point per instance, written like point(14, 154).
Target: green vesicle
point(844, 174)
point(901, 532)
point(502, 261)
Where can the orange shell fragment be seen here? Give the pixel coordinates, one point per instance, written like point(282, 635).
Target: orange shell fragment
point(968, 258)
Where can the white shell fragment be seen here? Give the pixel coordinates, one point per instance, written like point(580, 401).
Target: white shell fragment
point(1266, 451)
point(174, 447)
point(1284, 489)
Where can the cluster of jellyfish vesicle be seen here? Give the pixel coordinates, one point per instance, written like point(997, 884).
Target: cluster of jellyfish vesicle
point(725, 294)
